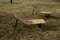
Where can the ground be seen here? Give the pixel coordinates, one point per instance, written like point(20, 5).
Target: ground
point(49, 31)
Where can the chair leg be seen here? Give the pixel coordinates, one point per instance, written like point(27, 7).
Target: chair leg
point(47, 15)
point(16, 24)
point(33, 12)
point(40, 25)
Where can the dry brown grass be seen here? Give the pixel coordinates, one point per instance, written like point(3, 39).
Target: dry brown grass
point(49, 31)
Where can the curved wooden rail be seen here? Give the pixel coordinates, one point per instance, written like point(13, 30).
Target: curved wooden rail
point(27, 21)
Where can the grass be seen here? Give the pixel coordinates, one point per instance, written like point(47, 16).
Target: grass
point(49, 31)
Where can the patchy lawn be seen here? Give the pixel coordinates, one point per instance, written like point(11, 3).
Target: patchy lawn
point(49, 31)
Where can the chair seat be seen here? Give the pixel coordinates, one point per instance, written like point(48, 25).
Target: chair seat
point(45, 12)
point(35, 21)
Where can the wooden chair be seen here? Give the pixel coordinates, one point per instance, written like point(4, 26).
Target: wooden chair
point(28, 21)
point(37, 10)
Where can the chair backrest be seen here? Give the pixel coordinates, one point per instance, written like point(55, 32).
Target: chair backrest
point(36, 7)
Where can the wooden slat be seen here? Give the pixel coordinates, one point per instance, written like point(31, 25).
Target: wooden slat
point(35, 21)
point(45, 12)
